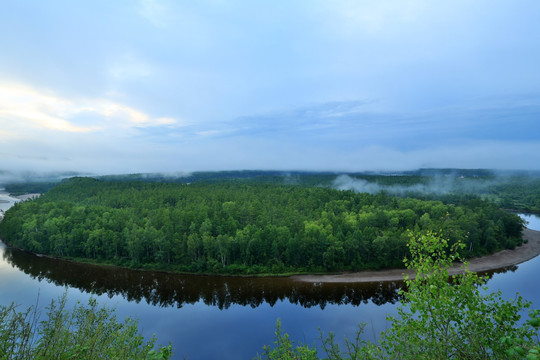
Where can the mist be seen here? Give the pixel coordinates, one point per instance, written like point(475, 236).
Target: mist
point(439, 185)
point(11, 177)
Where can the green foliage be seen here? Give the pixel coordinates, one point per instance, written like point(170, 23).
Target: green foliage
point(285, 349)
point(457, 319)
point(29, 187)
point(441, 318)
point(519, 193)
point(240, 228)
point(84, 332)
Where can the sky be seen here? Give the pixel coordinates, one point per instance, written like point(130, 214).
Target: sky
point(171, 86)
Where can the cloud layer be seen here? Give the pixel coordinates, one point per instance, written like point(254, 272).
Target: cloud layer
point(160, 85)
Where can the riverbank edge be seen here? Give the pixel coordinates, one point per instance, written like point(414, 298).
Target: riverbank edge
point(106, 264)
point(499, 260)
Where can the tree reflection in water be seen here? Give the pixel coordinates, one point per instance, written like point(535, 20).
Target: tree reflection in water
point(167, 289)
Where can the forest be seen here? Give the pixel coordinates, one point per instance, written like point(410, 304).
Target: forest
point(514, 190)
point(233, 226)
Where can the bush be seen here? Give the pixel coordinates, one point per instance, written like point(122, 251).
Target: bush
point(84, 332)
point(441, 317)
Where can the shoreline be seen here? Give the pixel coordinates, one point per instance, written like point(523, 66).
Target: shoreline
point(499, 260)
point(495, 261)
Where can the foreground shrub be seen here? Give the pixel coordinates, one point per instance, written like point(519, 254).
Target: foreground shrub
point(84, 332)
point(441, 317)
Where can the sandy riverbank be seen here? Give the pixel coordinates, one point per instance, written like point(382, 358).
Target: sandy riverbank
point(491, 262)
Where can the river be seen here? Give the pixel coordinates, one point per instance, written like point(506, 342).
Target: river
point(207, 317)
point(6, 201)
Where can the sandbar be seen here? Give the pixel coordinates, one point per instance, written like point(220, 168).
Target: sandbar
point(495, 261)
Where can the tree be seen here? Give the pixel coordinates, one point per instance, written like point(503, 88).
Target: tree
point(456, 319)
point(440, 317)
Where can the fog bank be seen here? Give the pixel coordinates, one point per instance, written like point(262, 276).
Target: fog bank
point(444, 184)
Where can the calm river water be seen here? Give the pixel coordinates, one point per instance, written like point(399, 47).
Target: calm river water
point(207, 317)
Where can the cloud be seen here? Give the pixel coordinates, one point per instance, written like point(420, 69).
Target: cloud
point(166, 121)
point(26, 109)
point(354, 124)
point(101, 135)
point(163, 85)
point(22, 103)
point(112, 110)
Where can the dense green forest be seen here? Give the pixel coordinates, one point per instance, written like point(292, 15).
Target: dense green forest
point(521, 193)
point(31, 187)
point(240, 227)
point(510, 190)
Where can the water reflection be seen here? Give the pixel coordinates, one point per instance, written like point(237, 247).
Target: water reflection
point(173, 290)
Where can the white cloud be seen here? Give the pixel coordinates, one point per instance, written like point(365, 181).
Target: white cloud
point(112, 110)
point(22, 103)
point(25, 109)
point(166, 121)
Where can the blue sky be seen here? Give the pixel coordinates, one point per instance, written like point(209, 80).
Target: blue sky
point(166, 86)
